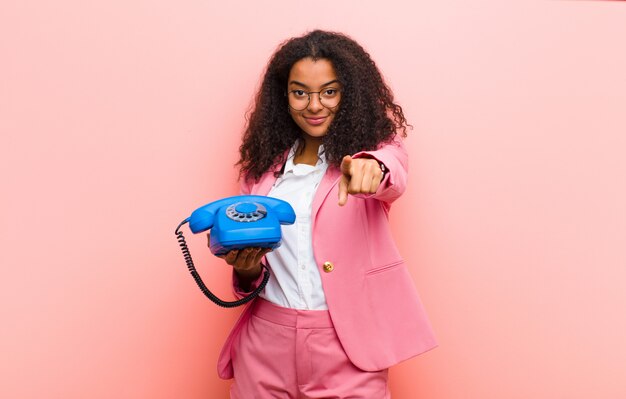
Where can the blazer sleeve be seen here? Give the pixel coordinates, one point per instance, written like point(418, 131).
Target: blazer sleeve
point(395, 158)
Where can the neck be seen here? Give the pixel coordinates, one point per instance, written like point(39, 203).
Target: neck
point(307, 151)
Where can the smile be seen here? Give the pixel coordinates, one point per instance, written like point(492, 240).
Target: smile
point(315, 121)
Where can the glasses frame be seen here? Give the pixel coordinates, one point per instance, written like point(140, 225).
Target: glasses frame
point(308, 93)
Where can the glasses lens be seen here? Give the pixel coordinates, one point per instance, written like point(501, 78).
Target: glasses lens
point(298, 99)
point(330, 97)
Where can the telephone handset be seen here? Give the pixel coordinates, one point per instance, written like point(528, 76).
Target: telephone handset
point(237, 222)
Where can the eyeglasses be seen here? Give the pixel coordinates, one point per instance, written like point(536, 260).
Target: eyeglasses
point(300, 99)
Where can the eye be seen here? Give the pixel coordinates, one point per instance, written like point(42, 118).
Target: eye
point(330, 93)
point(298, 93)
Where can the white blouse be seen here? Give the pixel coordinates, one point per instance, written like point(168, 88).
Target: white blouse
point(295, 281)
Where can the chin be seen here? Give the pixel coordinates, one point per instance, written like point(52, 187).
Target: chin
point(317, 131)
point(315, 134)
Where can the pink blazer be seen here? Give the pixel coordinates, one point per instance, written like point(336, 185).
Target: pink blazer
point(371, 297)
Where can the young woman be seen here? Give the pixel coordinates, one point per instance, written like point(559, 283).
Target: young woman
point(340, 307)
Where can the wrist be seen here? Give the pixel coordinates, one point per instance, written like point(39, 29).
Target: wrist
point(245, 278)
point(383, 168)
point(249, 273)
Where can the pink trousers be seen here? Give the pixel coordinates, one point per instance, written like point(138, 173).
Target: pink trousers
point(295, 354)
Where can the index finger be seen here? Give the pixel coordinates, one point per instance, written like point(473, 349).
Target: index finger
point(343, 190)
point(230, 257)
point(346, 165)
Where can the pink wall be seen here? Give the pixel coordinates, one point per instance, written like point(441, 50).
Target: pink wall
point(118, 118)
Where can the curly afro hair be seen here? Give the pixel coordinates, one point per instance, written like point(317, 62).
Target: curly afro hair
point(367, 115)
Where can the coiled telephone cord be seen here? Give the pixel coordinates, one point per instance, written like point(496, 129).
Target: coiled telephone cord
point(203, 287)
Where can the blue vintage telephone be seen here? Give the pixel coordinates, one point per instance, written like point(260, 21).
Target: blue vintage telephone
point(237, 222)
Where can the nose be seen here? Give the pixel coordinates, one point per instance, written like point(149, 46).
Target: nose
point(315, 105)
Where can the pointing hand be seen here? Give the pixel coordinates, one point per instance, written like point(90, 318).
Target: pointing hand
point(358, 176)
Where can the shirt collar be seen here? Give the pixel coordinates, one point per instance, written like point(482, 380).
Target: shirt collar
point(302, 169)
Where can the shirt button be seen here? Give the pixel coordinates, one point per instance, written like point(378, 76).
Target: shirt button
point(328, 267)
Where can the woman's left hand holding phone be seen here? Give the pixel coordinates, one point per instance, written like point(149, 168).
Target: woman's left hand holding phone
point(247, 262)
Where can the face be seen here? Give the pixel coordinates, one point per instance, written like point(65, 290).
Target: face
point(308, 75)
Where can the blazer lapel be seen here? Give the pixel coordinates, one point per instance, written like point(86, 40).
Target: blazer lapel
point(266, 182)
point(330, 179)
point(264, 185)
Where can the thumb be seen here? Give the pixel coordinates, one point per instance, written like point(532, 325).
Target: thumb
point(346, 163)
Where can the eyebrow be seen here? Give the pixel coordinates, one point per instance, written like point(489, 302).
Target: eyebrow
point(295, 82)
